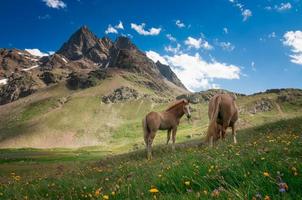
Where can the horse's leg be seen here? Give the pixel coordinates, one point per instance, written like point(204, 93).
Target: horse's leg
point(234, 133)
point(173, 137)
point(211, 141)
point(224, 127)
point(149, 145)
point(168, 135)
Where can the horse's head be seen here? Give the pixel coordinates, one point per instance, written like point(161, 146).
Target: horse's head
point(186, 108)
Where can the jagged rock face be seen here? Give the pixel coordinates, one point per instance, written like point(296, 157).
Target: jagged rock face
point(262, 105)
point(53, 61)
point(19, 85)
point(124, 43)
point(121, 94)
point(81, 80)
point(77, 62)
point(166, 71)
point(84, 44)
point(13, 60)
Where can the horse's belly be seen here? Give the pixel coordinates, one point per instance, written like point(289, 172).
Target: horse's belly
point(164, 126)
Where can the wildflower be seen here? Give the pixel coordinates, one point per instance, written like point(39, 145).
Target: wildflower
point(205, 192)
point(267, 197)
point(189, 190)
point(113, 193)
point(187, 183)
point(265, 174)
point(215, 193)
point(153, 190)
point(283, 187)
point(105, 197)
point(97, 192)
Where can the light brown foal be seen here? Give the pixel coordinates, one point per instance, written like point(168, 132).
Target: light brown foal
point(166, 120)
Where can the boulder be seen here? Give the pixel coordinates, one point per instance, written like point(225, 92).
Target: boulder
point(121, 94)
point(262, 105)
point(18, 85)
point(83, 80)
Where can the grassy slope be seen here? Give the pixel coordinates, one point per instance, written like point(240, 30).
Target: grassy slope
point(38, 121)
point(188, 173)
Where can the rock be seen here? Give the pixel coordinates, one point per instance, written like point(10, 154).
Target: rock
point(121, 94)
point(48, 77)
point(263, 105)
point(78, 80)
point(19, 85)
point(205, 96)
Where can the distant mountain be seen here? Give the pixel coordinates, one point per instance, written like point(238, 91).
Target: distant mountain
point(166, 71)
point(83, 56)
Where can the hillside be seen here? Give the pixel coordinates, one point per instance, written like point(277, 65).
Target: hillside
point(59, 117)
point(266, 164)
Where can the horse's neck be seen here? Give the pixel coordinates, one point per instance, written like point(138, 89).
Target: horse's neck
point(177, 111)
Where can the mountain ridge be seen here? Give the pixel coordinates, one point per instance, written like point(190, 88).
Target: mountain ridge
point(82, 54)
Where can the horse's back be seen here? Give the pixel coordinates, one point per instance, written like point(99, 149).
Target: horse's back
point(227, 107)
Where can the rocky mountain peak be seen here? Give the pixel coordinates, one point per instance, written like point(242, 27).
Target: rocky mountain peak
point(123, 42)
point(84, 44)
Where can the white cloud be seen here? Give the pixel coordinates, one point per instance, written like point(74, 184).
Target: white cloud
point(174, 50)
point(246, 14)
point(272, 35)
point(225, 30)
point(198, 43)
point(140, 29)
point(119, 26)
point(55, 4)
point(111, 29)
point(293, 39)
point(196, 73)
point(280, 8)
point(193, 43)
point(283, 6)
point(171, 38)
point(179, 24)
point(114, 30)
point(253, 66)
point(227, 46)
point(37, 52)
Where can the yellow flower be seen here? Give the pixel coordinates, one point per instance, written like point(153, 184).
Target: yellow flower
point(205, 192)
point(187, 183)
point(105, 197)
point(267, 197)
point(265, 174)
point(113, 193)
point(153, 190)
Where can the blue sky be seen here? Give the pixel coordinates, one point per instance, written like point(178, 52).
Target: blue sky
point(239, 45)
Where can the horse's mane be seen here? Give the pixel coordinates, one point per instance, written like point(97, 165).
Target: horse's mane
point(176, 103)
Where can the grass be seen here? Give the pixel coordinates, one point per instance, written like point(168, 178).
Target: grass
point(265, 155)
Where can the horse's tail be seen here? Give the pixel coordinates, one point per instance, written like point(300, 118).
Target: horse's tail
point(146, 129)
point(214, 116)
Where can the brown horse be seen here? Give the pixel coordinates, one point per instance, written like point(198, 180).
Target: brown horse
point(166, 120)
point(223, 113)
